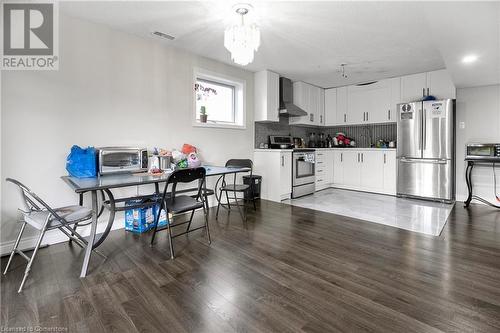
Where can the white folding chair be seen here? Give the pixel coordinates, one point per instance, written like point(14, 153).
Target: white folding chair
point(42, 217)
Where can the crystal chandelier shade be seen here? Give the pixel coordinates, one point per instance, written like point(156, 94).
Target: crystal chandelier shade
point(242, 40)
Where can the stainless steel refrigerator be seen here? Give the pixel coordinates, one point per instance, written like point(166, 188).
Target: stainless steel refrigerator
point(426, 150)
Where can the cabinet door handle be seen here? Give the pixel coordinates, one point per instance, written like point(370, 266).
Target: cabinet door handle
point(341, 157)
point(345, 118)
point(364, 116)
point(423, 92)
point(384, 159)
point(428, 93)
point(358, 157)
point(389, 114)
point(362, 158)
point(282, 160)
point(321, 119)
point(367, 116)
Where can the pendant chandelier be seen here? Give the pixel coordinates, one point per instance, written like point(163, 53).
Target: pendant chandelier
point(242, 39)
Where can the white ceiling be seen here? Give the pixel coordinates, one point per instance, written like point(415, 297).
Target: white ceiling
point(309, 40)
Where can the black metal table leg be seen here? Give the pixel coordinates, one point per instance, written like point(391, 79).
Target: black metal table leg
point(111, 219)
point(468, 181)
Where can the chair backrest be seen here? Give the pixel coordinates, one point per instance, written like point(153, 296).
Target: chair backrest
point(30, 201)
point(240, 163)
point(185, 176)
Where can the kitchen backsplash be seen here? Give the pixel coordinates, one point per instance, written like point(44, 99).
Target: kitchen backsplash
point(360, 133)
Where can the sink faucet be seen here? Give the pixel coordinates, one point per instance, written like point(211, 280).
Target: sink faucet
point(367, 130)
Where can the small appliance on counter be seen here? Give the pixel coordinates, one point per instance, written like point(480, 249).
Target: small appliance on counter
point(122, 159)
point(489, 152)
point(280, 142)
point(299, 143)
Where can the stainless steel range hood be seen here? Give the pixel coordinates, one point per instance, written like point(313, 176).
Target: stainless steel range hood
point(287, 108)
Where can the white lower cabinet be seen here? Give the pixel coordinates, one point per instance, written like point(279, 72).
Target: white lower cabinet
point(365, 170)
point(351, 168)
point(390, 172)
point(354, 169)
point(324, 169)
point(275, 167)
point(371, 170)
point(338, 168)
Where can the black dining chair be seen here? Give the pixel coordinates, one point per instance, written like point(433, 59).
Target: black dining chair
point(235, 188)
point(178, 204)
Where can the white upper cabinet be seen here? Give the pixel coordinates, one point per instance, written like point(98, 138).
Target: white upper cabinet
point(440, 85)
point(266, 91)
point(373, 103)
point(413, 87)
point(310, 99)
point(395, 84)
point(321, 107)
point(437, 83)
point(342, 118)
point(352, 105)
point(357, 105)
point(331, 107)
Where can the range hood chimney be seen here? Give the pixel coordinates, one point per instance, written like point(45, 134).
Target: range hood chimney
point(287, 108)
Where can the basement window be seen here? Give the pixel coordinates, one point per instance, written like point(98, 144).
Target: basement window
point(218, 100)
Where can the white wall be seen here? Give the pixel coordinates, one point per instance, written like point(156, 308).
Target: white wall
point(479, 108)
point(112, 88)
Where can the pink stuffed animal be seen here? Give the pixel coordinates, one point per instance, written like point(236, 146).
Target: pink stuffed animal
point(193, 161)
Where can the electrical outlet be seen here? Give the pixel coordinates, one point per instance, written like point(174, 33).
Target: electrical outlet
point(461, 125)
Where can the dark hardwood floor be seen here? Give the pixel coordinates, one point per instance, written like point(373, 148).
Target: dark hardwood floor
point(291, 269)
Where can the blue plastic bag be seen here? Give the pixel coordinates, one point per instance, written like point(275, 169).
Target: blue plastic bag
point(81, 162)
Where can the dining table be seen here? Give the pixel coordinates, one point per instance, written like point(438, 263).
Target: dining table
point(105, 184)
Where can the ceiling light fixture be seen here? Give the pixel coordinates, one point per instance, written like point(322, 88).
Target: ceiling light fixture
point(342, 71)
point(162, 35)
point(243, 38)
point(469, 59)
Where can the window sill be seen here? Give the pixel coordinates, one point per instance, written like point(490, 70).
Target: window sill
point(218, 125)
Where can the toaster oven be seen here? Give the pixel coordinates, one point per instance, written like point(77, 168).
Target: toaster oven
point(483, 151)
point(122, 159)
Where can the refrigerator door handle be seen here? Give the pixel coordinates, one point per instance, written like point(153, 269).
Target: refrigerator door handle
point(418, 160)
point(424, 129)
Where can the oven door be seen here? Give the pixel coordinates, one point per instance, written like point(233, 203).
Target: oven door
point(303, 168)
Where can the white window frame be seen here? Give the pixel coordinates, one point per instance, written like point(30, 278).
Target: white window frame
point(239, 99)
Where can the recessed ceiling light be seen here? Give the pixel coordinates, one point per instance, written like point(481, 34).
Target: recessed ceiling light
point(469, 59)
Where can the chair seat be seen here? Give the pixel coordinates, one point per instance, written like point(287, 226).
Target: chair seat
point(71, 214)
point(235, 187)
point(183, 203)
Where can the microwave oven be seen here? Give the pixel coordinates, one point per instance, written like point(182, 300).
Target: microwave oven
point(483, 151)
point(122, 159)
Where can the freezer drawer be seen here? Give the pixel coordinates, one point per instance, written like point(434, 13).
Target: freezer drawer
point(430, 179)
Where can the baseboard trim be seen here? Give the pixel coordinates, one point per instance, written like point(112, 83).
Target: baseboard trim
point(55, 236)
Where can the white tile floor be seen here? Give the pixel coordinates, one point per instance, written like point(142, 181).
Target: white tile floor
point(415, 215)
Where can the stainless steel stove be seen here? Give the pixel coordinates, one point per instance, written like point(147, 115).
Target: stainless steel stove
point(303, 172)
